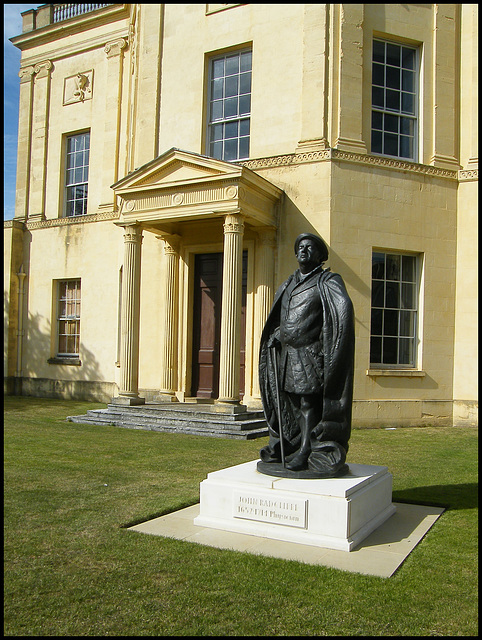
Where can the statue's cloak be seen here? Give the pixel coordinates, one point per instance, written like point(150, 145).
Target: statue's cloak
point(337, 335)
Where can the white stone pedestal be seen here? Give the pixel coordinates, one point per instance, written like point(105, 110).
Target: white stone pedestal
point(334, 513)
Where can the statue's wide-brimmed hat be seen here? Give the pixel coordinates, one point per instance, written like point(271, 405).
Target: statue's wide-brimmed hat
point(317, 240)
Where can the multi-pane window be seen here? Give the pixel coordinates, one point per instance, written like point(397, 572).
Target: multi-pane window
point(229, 106)
point(394, 100)
point(68, 317)
point(77, 174)
point(394, 309)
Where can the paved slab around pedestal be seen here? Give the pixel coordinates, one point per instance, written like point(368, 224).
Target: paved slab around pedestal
point(380, 554)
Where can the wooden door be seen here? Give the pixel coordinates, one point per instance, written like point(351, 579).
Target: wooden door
point(208, 279)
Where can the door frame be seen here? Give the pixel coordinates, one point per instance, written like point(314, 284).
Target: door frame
point(186, 300)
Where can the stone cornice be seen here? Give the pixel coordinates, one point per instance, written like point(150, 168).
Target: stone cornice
point(11, 224)
point(61, 222)
point(468, 175)
point(348, 156)
point(465, 175)
point(96, 42)
point(71, 26)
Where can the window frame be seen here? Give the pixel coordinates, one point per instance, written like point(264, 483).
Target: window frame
point(74, 184)
point(389, 112)
point(74, 318)
point(416, 311)
point(226, 120)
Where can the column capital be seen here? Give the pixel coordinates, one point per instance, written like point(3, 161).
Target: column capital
point(43, 69)
point(132, 231)
point(171, 242)
point(233, 223)
point(26, 74)
point(115, 47)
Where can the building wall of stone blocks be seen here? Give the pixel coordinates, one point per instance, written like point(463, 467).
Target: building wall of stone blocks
point(147, 70)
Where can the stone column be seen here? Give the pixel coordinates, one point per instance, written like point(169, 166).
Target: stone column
point(231, 310)
point(129, 362)
point(169, 319)
point(264, 276)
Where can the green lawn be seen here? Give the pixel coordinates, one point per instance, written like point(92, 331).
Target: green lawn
point(72, 568)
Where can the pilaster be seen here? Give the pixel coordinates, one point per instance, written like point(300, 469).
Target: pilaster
point(147, 101)
point(349, 114)
point(315, 78)
point(264, 278)
point(231, 309)
point(113, 93)
point(445, 134)
point(26, 75)
point(169, 319)
point(469, 85)
point(40, 124)
point(131, 281)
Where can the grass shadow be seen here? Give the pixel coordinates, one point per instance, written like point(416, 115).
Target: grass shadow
point(31, 403)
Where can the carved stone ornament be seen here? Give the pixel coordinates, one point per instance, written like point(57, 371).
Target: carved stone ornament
point(231, 192)
point(177, 198)
point(348, 156)
point(78, 88)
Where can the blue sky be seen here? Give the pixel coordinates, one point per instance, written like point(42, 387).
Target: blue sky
point(12, 26)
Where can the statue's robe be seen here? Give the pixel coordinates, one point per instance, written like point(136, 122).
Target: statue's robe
point(336, 339)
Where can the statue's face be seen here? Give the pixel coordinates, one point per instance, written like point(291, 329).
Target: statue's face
point(308, 254)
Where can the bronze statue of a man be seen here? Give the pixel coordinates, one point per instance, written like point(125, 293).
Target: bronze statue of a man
point(306, 370)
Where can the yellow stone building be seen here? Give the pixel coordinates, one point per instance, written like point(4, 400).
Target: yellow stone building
point(169, 155)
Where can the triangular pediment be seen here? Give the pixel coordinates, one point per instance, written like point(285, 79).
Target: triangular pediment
point(180, 186)
point(175, 167)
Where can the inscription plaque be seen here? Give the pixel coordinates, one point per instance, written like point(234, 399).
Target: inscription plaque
point(290, 512)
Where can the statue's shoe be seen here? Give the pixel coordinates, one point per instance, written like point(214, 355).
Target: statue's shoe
point(299, 462)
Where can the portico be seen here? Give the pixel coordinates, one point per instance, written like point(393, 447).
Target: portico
point(197, 205)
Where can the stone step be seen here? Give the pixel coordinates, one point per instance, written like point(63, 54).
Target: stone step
point(182, 413)
point(180, 421)
point(154, 417)
point(202, 430)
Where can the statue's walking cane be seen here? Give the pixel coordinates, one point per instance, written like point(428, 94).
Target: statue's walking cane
point(278, 404)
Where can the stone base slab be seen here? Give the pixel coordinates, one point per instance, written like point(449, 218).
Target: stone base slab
point(127, 401)
point(334, 513)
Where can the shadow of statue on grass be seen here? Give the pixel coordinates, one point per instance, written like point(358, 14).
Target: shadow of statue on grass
point(415, 505)
point(449, 496)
